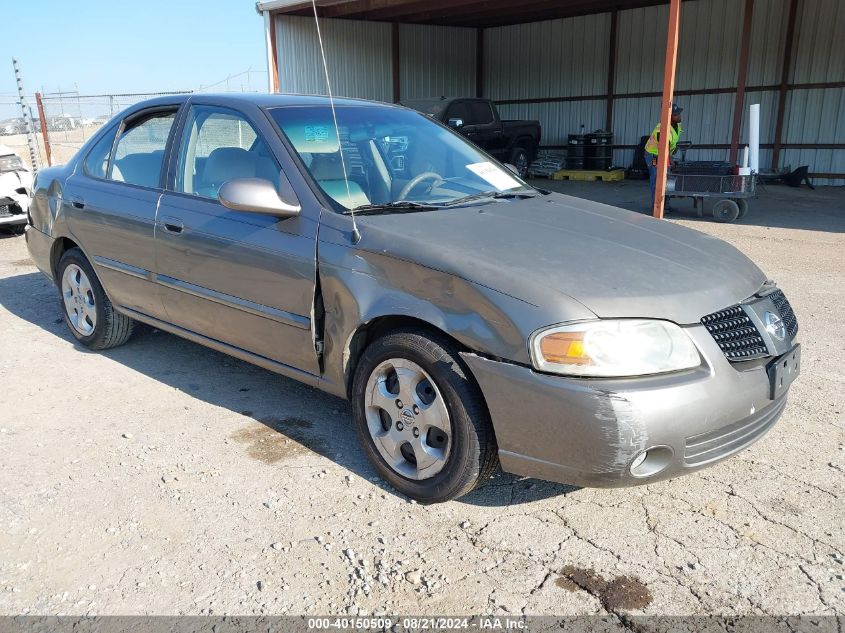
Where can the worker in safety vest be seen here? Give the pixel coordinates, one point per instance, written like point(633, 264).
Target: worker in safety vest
point(651, 146)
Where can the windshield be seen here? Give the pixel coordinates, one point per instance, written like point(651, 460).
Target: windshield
point(393, 157)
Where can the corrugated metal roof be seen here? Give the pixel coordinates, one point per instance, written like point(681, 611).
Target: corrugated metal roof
point(436, 60)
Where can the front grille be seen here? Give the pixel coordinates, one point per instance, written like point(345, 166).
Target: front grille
point(719, 443)
point(735, 334)
point(8, 209)
point(786, 313)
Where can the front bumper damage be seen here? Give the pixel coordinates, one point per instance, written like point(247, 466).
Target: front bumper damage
point(588, 432)
point(15, 187)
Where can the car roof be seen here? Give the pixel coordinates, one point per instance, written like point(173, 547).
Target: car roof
point(261, 100)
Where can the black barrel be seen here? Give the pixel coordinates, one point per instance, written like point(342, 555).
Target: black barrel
point(577, 153)
point(599, 150)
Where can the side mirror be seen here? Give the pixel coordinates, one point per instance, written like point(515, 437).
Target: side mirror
point(514, 169)
point(255, 195)
point(455, 123)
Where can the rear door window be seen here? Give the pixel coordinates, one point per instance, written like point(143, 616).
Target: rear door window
point(97, 161)
point(461, 110)
point(139, 151)
point(482, 113)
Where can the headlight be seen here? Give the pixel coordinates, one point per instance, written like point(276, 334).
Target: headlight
point(11, 162)
point(605, 348)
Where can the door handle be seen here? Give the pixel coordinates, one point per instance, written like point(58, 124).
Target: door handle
point(79, 203)
point(172, 225)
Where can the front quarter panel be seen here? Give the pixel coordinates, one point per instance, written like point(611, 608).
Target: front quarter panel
point(363, 282)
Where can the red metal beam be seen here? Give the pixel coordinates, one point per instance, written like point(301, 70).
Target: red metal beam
point(611, 69)
point(669, 67)
point(479, 63)
point(42, 118)
point(274, 66)
point(742, 73)
point(394, 45)
point(786, 66)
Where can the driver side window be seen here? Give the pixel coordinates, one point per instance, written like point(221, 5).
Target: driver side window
point(220, 145)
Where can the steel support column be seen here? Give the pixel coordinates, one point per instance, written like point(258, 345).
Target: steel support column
point(666, 104)
point(786, 67)
point(742, 73)
point(611, 70)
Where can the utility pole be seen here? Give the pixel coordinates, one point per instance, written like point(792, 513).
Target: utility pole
point(27, 117)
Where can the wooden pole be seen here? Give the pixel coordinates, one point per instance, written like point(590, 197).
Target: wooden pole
point(739, 100)
point(42, 118)
point(666, 105)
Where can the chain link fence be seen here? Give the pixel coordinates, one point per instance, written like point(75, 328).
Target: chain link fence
point(71, 118)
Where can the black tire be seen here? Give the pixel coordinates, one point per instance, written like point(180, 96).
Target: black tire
point(473, 455)
point(521, 159)
point(743, 207)
point(111, 328)
point(725, 210)
point(16, 229)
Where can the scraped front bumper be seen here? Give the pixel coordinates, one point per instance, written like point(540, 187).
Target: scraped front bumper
point(589, 432)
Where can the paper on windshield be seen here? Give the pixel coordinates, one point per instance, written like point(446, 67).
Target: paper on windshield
point(494, 175)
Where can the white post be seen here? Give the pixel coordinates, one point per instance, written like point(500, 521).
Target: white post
point(26, 112)
point(754, 137)
point(268, 47)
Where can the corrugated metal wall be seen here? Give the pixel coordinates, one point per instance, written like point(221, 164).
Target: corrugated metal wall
point(569, 58)
point(358, 55)
point(436, 61)
point(817, 115)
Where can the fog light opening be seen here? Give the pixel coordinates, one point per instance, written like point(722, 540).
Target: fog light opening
point(651, 461)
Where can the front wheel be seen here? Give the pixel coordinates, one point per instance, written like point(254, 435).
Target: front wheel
point(520, 160)
point(421, 419)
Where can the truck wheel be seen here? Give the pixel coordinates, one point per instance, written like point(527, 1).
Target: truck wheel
point(725, 211)
point(743, 207)
point(520, 160)
point(422, 421)
point(88, 313)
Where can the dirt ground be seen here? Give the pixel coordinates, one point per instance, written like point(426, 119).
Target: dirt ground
point(165, 478)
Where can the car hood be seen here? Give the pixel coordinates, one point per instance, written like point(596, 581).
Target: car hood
point(616, 263)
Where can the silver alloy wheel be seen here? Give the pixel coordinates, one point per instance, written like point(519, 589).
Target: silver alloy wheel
point(78, 298)
point(407, 419)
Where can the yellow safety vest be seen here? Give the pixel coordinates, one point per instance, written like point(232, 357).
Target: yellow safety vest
point(674, 134)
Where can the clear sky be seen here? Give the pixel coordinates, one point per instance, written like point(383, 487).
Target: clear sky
point(130, 46)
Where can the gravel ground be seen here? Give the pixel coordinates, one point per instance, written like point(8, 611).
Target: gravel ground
point(165, 478)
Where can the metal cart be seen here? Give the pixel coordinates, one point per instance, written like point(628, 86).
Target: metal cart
point(711, 179)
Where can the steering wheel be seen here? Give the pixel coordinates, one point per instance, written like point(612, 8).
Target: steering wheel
point(416, 180)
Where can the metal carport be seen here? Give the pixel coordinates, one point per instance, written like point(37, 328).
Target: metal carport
point(591, 63)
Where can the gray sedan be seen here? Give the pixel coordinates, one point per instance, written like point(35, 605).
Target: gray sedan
point(471, 319)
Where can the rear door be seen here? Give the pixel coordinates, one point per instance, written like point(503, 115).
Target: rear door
point(241, 278)
point(482, 127)
point(113, 197)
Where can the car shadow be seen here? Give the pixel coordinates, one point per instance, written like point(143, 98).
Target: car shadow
point(293, 416)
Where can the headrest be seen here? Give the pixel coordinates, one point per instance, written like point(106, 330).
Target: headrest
point(226, 163)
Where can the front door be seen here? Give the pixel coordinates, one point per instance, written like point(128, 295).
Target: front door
point(241, 278)
point(113, 199)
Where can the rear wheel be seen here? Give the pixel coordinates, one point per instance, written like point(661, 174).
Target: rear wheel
point(725, 211)
point(743, 207)
point(88, 313)
point(420, 417)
